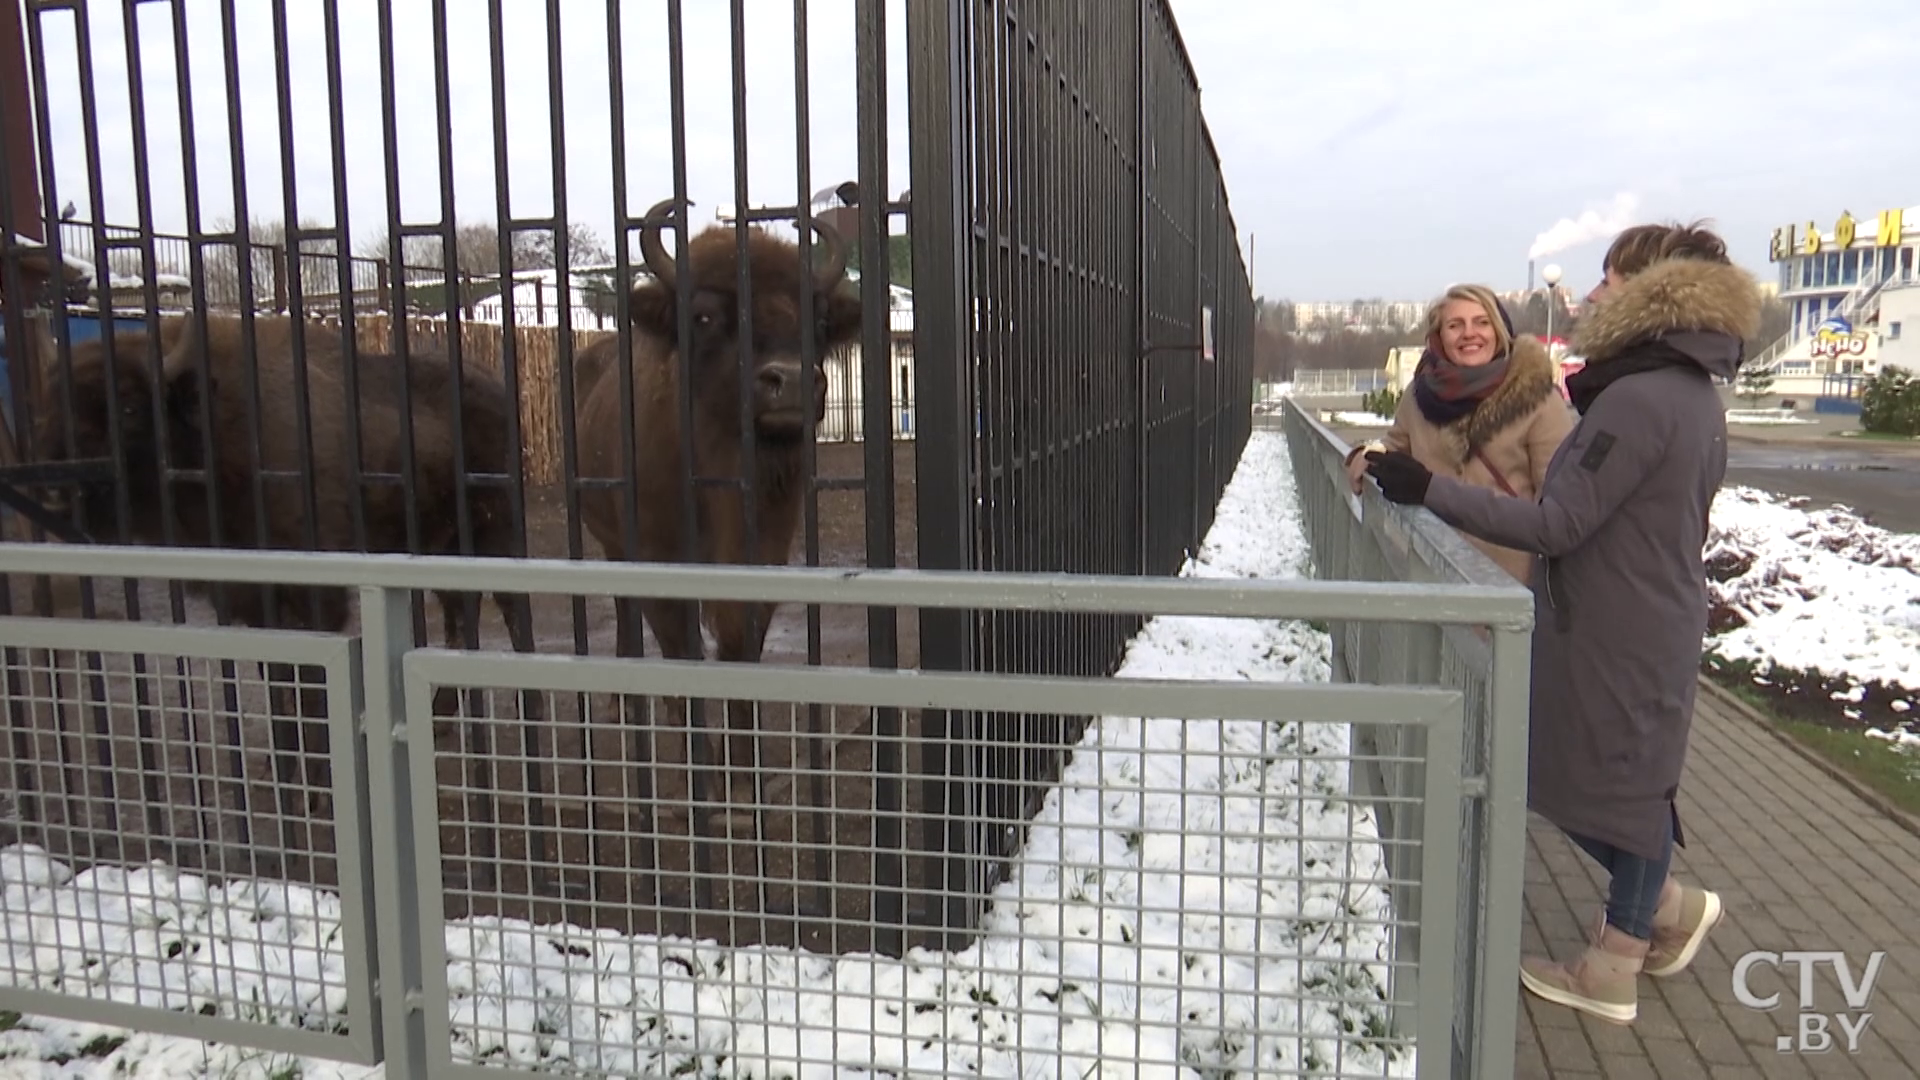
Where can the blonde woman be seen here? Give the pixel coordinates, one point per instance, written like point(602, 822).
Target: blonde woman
point(1482, 407)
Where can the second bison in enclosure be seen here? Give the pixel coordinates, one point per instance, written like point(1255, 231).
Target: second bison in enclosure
point(245, 395)
point(171, 417)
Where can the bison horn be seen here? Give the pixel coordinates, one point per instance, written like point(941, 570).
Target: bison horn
point(651, 249)
point(179, 360)
point(835, 267)
point(43, 341)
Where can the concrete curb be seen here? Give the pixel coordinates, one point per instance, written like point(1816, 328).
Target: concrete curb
point(1813, 757)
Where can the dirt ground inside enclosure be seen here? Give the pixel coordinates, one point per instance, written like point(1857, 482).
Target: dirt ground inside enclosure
point(581, 816)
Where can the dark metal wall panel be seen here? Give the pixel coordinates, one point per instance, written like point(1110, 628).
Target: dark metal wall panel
point(1086, 391)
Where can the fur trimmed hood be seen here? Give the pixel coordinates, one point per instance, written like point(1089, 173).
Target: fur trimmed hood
point(1529, 381)
point(1670, 297)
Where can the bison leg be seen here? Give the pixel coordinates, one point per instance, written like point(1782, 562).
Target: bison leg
point(460, 629)
point(302, 742)
point(675, 626)
point(302, 747)
point(516, 610)
point(740, 630)
point(446, 700)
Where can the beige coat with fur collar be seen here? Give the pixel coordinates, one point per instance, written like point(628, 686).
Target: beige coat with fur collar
point(1516, 429)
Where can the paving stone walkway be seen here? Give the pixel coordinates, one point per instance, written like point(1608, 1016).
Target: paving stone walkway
point(1802, 863)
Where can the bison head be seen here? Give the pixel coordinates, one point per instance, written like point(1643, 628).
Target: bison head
point(113, 388)
point(777, 279)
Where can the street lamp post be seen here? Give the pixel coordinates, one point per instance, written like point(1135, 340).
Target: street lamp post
point(1551, 275)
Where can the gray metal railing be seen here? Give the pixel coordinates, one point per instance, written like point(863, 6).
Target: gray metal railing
point(1201, 889)
point(1359, 538)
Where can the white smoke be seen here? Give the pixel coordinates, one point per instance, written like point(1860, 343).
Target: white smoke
point(1592, 224)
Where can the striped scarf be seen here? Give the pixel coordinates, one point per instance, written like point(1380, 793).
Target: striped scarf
point(1446, 391)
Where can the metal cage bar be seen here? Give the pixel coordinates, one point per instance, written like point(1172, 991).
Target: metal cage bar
point(1076, 369)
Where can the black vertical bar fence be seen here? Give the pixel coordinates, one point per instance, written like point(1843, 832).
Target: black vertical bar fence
point(1083, 334)
point(333, 347)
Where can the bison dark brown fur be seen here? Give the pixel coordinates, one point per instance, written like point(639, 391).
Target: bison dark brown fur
point(187, 403)
point(779, 409)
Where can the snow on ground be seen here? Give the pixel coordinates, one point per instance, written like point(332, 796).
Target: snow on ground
point(1765, 417)
point(1144, 921)
point(1358, 419)
point(1816, 590)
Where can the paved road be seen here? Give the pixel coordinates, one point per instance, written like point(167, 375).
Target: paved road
point(1882, 485)
point(1879, 480)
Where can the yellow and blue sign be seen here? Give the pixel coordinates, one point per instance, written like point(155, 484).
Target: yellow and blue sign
point(1791, 240)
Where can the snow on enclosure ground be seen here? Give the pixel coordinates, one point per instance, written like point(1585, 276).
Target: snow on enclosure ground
point(1168, 909)
point(1816, 590)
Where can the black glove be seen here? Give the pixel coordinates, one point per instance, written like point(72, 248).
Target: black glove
point(1402, 479)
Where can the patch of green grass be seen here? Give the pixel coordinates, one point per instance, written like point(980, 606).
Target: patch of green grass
point(1892, 773)
point(102, 1045)
point(9, 1020)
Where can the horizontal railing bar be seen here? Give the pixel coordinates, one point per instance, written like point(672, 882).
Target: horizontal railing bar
point(1190, 699)
point(169, 639)
point(58, 472)
point(1359, 601)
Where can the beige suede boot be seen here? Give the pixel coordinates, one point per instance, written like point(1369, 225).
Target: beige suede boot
point(1680, 926)
point(1602, 982)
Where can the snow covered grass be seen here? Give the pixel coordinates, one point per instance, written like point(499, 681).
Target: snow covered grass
point(1799, 591)
point(1765, 417)
point(1183, 887)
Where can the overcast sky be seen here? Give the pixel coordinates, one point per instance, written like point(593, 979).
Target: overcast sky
point(1393, 146)
point(1374, 148)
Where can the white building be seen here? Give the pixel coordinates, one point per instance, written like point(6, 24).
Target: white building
point(1845, 287)
point(1357, 315)
point(1899, 331)
point(537, 297)
point(846, 396)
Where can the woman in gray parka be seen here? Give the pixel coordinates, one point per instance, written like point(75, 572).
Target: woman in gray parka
point(1620, 591)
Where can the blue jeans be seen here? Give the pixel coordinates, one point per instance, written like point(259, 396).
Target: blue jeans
point(1634, 889)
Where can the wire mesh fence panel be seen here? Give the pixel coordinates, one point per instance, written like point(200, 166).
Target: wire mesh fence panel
point(618, 864)
point(614, 812)
point(1202, 890)
point(184, 848)
point(1359, 537)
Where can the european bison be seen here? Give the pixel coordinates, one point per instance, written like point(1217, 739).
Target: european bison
point(779, 407)
point(185, 404)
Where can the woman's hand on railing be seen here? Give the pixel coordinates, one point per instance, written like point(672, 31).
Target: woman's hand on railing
point(1357, 463)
